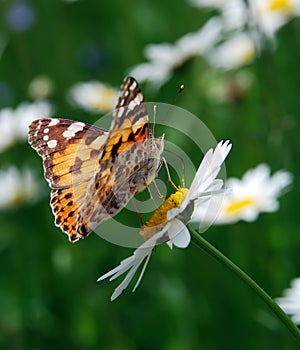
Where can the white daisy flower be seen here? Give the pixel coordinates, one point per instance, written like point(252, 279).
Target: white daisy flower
point(93, 96)
point(26, 112)
point(165, 57)
point(8, 129)
point(270, 15)
point(236, 51)
point(256, 192)
point(168, 223)
point(290, 302)
point(15, 122)
point(210, 3)
point(17, 187)
point(233, 12)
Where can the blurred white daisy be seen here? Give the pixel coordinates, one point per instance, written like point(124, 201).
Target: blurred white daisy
point(93, 96)
point(168, 223)
point(238, 50)
point(290, 302)
point(26, 112)
point(270, 15)
point(8, 129)
point(210, 3)
point(256, 192)
point(17, 186)
point(234, 12)
point(15, 122)
point(164, 58)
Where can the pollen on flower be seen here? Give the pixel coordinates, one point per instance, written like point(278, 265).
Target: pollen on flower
point(281, 5)
point(236, 206)
point(160, 215)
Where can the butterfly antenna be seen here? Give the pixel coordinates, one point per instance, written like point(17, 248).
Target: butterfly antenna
point(154, 117)
point(180, 90)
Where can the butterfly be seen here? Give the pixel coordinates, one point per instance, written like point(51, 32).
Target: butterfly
point(92, 172)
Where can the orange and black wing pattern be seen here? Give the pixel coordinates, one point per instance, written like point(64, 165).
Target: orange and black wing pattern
point(70, 152)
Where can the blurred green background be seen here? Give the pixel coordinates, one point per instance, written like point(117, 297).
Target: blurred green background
point(49, 297)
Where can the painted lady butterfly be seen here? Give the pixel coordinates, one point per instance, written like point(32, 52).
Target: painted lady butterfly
point(93, 173)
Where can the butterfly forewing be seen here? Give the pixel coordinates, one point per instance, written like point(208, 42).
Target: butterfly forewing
point(130, 121)
point(125, 168)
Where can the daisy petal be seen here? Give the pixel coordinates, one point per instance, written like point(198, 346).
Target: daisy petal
point(179, 234)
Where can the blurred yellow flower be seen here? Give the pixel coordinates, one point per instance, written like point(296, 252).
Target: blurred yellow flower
point(270, 15)
point(238, 50)
point(93, 96)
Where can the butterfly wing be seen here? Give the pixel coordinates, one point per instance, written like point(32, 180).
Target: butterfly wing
point(125, 152)
point(130, 122)
point(70, 152)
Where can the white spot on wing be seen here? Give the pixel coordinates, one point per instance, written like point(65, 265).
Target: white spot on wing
point(131, 105)
point(78, 124)
point(133, 85)
point(72, 129)
point(120, 112)
point(52, 143)
point(138, 99)
point(46, 130)
point(46, 138)
point(53, 122)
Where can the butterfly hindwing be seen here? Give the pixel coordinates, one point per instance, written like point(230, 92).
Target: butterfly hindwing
point(65, 203)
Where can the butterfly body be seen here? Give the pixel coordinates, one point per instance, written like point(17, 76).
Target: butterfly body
point(93, 173)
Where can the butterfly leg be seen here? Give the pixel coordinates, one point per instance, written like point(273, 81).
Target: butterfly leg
point(163, 159)
point(138, 212)
point(157, 190)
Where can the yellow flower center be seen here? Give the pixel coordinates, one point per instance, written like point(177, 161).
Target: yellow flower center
point(16, 199)
point(106, 99)
point(236, 206)
point(159, 217)
point(281, 5)
point(247, 56)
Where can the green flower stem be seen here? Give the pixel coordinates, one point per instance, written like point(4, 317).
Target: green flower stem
point(201, 243)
